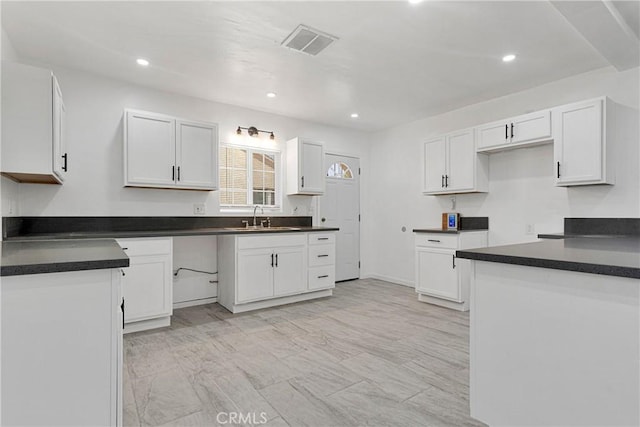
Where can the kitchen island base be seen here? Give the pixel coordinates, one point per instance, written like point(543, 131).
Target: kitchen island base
point(553, 347)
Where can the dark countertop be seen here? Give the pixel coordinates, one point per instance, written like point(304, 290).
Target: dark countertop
point(440, 230)
point(53, 256)
point(606, 255)
point(212, 231)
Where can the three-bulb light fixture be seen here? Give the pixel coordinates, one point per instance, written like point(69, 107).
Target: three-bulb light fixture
point(253, 131)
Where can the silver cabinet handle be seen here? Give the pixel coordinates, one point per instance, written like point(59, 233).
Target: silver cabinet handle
point(433, 240)
point(323, 276)
point(322, 256)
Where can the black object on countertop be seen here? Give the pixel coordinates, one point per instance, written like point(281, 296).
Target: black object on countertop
point(611, 256)
point(467, 223)
point(54, 256)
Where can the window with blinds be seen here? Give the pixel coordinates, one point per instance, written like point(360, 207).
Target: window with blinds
point(248, 177)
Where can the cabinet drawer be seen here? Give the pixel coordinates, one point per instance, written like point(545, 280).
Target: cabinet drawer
point(321, 238)
point(322, 255)
point(136, 247)
point(322, 277)
point(255, 242)
point(437, 240)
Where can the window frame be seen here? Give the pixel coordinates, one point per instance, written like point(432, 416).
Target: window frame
point(277, 154)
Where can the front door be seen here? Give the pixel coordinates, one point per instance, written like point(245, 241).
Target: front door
point(340, 207)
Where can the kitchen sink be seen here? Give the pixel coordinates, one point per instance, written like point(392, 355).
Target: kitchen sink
point(259, 228)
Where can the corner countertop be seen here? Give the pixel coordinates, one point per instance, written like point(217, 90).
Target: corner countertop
point(606, 255)
point(53, 256)
point(209, 231)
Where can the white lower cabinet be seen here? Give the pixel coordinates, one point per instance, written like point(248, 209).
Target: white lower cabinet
point(441, 278)
point(147, 284)
point(258, 271)
point(62, 349)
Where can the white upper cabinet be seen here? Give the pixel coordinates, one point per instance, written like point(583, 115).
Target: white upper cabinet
point(164, 152)
point(33, 125)
point(451, 165)
point(583, 138)
point(526, 130)
point(305, 172)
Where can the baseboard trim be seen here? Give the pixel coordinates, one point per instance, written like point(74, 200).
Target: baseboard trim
point(144, 325)
point(241, 308)
point(395, 280)
point(202, 301)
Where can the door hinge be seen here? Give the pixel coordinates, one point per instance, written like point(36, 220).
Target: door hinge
point(358, 217)
point(358, 264)
point(359, 171)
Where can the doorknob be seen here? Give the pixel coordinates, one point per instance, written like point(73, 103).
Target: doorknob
point(323, 219)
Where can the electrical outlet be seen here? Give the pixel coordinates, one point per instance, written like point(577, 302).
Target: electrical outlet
point(199, 209)
point(530, 229)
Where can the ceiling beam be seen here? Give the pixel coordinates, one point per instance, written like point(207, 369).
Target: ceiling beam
point(605, 27)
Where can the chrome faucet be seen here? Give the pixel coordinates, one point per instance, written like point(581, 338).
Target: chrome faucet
point(255, 208)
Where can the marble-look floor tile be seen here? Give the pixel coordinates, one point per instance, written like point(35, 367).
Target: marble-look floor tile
point(298, 408)
point(205, 357)
point(371, 355)
point(148, 359)
point(367, 404)
point(447, 406)
point(164, 397)
point(276, 422)
point(130, 416)
point(245, 397)
point(262, 368)
point(397, 381)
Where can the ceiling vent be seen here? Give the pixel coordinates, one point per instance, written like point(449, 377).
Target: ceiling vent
point(307, 40)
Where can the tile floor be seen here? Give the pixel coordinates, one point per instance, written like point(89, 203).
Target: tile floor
point(370, 355)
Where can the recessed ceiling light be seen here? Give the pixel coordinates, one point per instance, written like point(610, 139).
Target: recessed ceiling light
point(508, 58)
point(354, 115)
point(415, 1)
point(271, 95)
point(142, 62)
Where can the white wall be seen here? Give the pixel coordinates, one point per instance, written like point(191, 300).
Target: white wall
point(9, 189)
point(94, 183)
point(521, 189)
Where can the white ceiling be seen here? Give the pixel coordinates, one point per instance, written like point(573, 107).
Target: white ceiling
point(394, 61)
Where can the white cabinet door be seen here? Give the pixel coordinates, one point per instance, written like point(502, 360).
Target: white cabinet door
point(311, 170)
point(147, 288)
point(461, 161)
point(305, 170)
point(289, 271)
point(531, 127)
point(436, 274)
point(60, 158)
point(435, 160)
point(32, 124)
point(150, 150)
point(255, 274)
point(493, 134)
point(196, 155)
point(579, 143)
